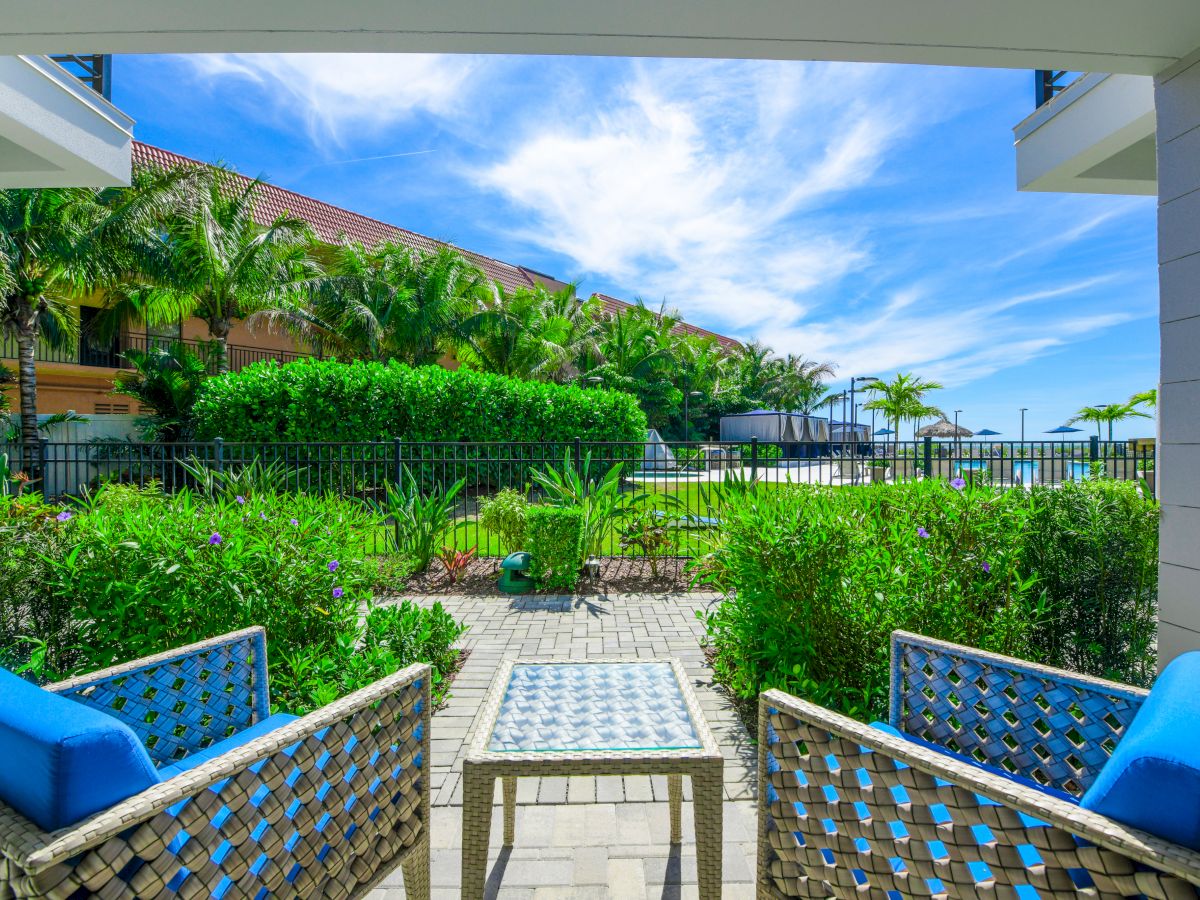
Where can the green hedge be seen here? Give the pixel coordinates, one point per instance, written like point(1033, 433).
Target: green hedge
point(555, 546)
point(313, 400)
point(817, 578)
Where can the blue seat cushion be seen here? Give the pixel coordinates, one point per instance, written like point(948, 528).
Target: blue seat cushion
point(974, 763)
point(61, 761)
point(216, 748)
point(1152, 780)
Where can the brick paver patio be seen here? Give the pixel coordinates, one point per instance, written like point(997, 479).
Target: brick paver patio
point(586, 837)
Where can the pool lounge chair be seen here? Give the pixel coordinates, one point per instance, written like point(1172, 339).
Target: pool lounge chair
point(993, 777)
point(169, 777)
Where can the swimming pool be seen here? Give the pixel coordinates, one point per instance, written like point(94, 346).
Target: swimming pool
point(1029, 472)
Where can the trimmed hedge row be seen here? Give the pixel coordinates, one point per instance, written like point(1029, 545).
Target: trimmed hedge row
point(315, 400)
point(555, 546)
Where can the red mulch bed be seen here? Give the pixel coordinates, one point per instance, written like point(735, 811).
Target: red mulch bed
point(618, 575)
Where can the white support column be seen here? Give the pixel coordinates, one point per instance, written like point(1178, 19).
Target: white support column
point(1177, 102)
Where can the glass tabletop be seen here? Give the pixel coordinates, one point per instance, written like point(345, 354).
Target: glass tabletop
point(593, 706)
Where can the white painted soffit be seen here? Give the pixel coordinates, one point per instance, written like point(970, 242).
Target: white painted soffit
point(1130, 36)
point(55, 131)
point(1095, 137)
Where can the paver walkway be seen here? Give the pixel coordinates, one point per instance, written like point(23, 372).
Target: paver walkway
point(586, 837)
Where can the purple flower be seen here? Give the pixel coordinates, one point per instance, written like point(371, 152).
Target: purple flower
point(337, 592)
point(987, 567)
point(240, 500)
point(295, 522)
point(64, 516)
point(216, 538)
point(958, 484)
point(921, 532)
point(333, 565)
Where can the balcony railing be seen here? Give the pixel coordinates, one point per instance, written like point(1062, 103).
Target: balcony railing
point(84, 353)
point(1049, 83)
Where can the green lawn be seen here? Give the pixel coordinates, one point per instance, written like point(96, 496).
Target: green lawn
point(689, 500)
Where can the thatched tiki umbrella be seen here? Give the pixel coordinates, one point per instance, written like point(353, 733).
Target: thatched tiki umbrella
point(943, 428)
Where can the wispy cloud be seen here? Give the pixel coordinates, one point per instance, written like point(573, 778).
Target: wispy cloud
point(690, 180)
point(749, 195)
point(333, 93)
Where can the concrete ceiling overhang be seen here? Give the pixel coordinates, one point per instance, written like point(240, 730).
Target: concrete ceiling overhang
point(55, 132)
point(1126, 36)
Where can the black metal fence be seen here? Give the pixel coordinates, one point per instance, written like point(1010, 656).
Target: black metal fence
point(682, 483)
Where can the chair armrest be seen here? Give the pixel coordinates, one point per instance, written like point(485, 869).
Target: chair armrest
point(183, 700)
point(1055, 727)
point(839, 801)
point(335, 795)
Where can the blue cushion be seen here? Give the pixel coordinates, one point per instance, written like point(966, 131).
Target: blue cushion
point(216, 748)
point(1152, 781)
point(62, 760)
point(974, 763)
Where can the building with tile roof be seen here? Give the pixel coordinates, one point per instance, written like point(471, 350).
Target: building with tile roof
point(80, 378)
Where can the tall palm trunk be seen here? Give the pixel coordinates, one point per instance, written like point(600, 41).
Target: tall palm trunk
point(27, 377)
point(218, 331)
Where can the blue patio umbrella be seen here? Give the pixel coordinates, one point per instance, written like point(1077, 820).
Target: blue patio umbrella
point(1063, 429)
point(986, 432)
point(885, 431)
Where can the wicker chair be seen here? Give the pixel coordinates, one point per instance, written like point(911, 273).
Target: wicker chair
point(847, 809)
point(324, 806)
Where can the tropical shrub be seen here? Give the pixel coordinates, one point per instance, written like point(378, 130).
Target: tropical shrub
point(1093, 547)
point(314, 400)
point(599, 498)
point(818, 577)
point(555, 546)
point(767, 453)
point(36, 626)
point(504, 515)
point(456, 562)
point(420, 520)
point(650, 532)
point(165, 381)
point(139, 571)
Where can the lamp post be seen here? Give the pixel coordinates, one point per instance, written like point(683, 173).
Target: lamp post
point(686, 416)
point(1024, 409)
point(854, 407)
point(957, 439)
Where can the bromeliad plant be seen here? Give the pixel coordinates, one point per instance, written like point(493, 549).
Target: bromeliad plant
point(420, 521)
point(455, 562)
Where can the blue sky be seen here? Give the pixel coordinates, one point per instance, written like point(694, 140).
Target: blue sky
point(862, 214)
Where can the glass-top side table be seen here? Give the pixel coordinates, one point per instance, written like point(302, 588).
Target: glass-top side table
point(600, 717)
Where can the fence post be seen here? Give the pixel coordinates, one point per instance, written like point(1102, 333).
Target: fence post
point(928, 464)
point(219, 454)
point(398, 448)
point(42, 472)
point(753, 458)
point(1093, 448)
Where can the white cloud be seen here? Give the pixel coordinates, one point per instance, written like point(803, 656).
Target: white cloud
point(336, 92)
point(746, 194)
point(689, 184)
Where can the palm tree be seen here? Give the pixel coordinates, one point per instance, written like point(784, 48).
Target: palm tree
point(801, 382)
point(1110, 413)
point(57, 243)
point(384, 303)
point(760, 372)
point(532, 333)
point(902, 399)
point(1145, 398)
point(165, 380)
point(220, 265)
